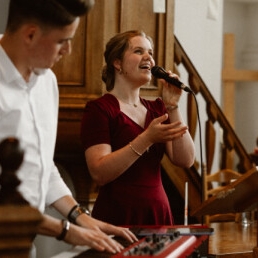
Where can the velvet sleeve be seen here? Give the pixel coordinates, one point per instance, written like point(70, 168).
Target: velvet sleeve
point(95, 125)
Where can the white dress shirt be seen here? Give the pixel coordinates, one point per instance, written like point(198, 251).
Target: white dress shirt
point(29, 112)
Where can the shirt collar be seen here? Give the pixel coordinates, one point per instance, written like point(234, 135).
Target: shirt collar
point(7, 68)
point(10, 72)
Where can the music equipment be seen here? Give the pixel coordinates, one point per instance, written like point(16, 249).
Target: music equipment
point(162, 242)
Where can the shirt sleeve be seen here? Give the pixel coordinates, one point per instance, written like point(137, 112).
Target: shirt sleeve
point(57, 187)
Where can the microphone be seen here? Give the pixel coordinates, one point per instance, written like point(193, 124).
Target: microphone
point(161, 73)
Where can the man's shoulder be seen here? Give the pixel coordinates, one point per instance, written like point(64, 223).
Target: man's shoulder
point(46, 73)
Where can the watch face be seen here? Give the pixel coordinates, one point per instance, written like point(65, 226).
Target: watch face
point(78, 211)
point(87, 211)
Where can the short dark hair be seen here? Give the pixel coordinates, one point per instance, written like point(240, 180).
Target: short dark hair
point(49, 13)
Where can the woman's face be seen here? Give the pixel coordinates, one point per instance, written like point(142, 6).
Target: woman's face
point(138, 60)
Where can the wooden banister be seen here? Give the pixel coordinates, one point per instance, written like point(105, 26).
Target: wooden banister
point(231, 147)
point(231, 142)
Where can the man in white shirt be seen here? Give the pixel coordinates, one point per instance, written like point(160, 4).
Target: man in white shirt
point(38, 34)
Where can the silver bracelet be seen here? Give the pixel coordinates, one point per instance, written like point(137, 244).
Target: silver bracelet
point(171, 108)
point(65, 229)
point(134, 150)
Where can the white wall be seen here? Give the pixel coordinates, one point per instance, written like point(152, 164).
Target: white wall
point(4, 4)
point(240, 19)
point(198, 27)
point(202, 39)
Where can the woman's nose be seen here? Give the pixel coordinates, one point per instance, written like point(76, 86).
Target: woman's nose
point(148, 56)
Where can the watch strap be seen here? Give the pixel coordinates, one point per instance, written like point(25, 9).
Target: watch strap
point(76, 211)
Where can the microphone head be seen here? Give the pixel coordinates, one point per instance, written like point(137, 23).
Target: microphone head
point(159, 72)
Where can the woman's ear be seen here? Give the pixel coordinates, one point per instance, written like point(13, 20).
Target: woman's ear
point(117, 65)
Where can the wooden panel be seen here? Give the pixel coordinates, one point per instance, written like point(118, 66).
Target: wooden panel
point(74, 76)
point(79, 74)
point(138, 15)
point(103, 22)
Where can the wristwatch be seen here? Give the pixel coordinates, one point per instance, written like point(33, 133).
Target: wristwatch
point(76, 211)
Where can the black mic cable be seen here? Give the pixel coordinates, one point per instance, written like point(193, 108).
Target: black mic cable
point(161, 73)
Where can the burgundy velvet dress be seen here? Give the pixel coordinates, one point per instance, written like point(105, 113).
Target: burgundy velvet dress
point(137, 197)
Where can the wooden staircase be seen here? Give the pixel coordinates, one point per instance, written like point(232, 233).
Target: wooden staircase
point(232, 149)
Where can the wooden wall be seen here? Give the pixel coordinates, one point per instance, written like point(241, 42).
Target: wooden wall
point(79, 75)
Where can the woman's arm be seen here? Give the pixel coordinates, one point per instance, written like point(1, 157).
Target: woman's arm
point(105, 165)
point(181, 150)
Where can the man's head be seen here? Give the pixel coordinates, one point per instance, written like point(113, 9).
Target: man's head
point(46, 13)
point(39, 32)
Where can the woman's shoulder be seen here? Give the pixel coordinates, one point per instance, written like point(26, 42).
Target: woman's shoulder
point(154, 105)
point(107, 103)
point(105, 100)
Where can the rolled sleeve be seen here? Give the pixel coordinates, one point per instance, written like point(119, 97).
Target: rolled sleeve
point(57, 187)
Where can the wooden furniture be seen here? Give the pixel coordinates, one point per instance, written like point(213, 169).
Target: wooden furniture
point(214, 184)
point(18, 227)
point(254, 158)
point(230, 144)
point(222, 178)
point(239, 196)
point(18, 220)
point(232, 240)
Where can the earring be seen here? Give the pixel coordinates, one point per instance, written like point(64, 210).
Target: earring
point(120, 71)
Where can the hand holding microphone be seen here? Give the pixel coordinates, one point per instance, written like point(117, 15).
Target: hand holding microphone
point(161, 73)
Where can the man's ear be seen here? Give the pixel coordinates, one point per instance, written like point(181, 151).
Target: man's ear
point(30, 33)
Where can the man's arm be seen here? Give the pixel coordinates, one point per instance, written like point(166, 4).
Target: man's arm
point(87, 230)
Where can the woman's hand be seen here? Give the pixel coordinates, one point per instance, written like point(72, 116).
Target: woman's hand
point(159, 132)
point(170, 93)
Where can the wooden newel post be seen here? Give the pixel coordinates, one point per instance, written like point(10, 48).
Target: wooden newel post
point(18, 220)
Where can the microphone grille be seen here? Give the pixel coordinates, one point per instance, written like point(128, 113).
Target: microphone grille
point(158, 72)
